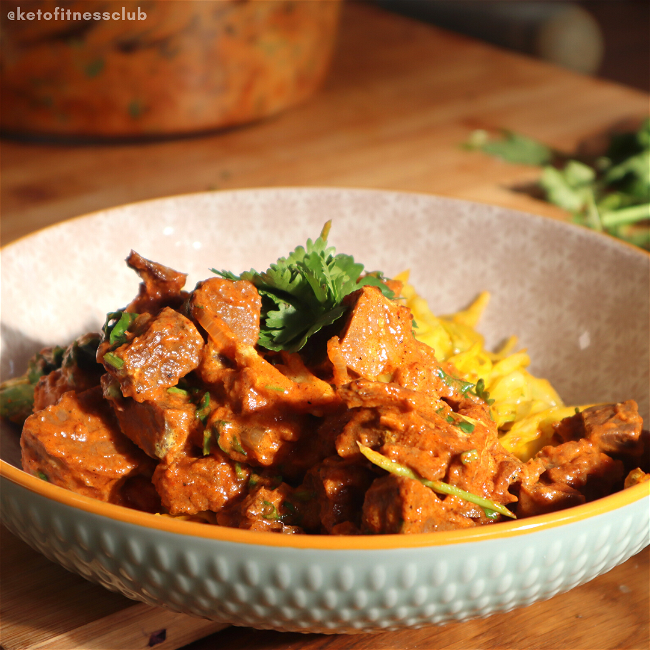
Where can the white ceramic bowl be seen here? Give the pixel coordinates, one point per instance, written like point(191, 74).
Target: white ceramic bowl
point(577, 300)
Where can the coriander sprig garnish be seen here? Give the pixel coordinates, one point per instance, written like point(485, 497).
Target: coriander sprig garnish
point(304, 292)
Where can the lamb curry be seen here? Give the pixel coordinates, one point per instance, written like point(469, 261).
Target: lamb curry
point(226, 404)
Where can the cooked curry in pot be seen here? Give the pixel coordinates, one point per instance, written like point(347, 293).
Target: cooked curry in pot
point(309, 399)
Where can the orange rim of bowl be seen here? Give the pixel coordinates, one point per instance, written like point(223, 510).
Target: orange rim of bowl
point(324, 542)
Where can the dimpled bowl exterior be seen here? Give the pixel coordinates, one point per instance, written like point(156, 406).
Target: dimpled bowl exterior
point(563, 290)
point(332, 591)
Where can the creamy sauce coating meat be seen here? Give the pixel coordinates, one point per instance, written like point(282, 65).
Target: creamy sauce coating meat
point(181, 411)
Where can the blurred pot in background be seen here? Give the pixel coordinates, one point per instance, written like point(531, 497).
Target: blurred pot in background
point(158, 67)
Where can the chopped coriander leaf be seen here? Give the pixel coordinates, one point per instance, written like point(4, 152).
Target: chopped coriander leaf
point(236, 445)
point(118, 332)
point(454, 382)
point(207, 442)
point(270, 512)
point(203, 411)
point(481, 393)
point(116, 325)
point(291, 508)
point(42, 476)
point(175, 390)
point(490, 514)
point(468, 457)
point(113, 360)
point(303, 292)
point(466, 427)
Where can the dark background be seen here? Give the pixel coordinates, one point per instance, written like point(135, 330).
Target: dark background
point(624, 26)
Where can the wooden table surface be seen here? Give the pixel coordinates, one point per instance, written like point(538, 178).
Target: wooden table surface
point(401, 98)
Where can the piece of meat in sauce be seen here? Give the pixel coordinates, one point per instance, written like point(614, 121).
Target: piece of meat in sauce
point(265, 508)
point(339, 487)
point(261, 438)
point(77, 444)
point(79, 371)
point(429, 437)
point(377, 343)
point(161, 286)
point(613, 428)
point(395, 504)
point(190, 484)
point(236, 303)
point(569, 474)
point(159, 427)
point(316, 445)
point(154, 361)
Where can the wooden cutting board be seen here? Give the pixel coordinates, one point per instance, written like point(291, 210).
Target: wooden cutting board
point(33, 589)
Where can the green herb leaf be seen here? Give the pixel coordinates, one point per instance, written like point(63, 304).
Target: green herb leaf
point(208, 437)
point(466, 427)
point(481, 393)
point(116, 325)
point(203, 411)
point(113, 360)
point(303, 292)
point(454, 382)
point(236, 445)
point(468, 457)
point(511, 147)
point(175, 390)
point(609, 193)
point(239, 471)
point(270, 512)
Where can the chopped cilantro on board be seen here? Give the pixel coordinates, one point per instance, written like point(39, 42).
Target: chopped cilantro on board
point(304, 292)
point(609, 193)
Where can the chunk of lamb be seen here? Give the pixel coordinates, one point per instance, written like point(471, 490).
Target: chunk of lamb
point(230, 313)
point(458, 446)
point(395, 504)
point(237, 304)
point(377, 343)
point(188, 485)
point(570, 474)
point(77, 444)
point(151, 363)
point(613, 428)
point(340, 487)
point(159, 427)
point(160, 287)
point(262, 439)
point(265, 508)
